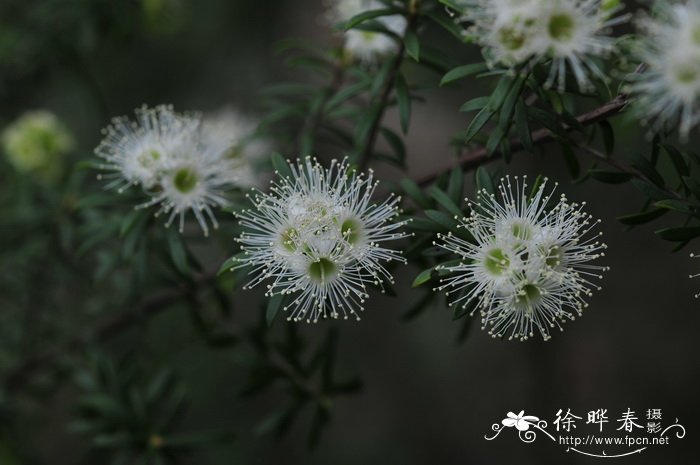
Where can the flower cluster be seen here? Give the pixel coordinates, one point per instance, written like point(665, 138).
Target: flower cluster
point(569, 33)
point(182, 162)
point(668, 91)
point(318, 235)
point(365, 45)
point(525, 266)
point(36, 142)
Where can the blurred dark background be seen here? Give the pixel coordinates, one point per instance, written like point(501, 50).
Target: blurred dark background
point(426, 398)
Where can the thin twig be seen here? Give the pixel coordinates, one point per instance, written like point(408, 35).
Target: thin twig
point(481, 156)
point(365, 154)
point(113, 326)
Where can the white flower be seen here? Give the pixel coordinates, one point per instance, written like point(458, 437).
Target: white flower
point(318, 235)
point(194, 176)
point(137, 151)
point(235, 136)
point(179, 165)
point(36, 143)
point(668, 91)
point(525, 267)
point(363, 45)
point(571, 34)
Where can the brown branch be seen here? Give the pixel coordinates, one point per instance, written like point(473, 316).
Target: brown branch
point(481, 156)
point(366, 152)
point(108, 329)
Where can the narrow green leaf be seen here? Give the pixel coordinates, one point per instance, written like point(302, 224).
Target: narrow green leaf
point(445, 201)
point(484, 181)
point(412, 44)
point(462, 72)
point(641, 218)
point(647, 169)
point(274, 304)
point(415, 193)
point(455, 186)
point(178, 253)
point(474, 104)
point(395, 142)
point(477, 123)
point(522, 126)
point(367, 15)
point(442, 219)
point(676, 205)
point(677, 159)
point(403, 97)
point(682, 234)
point(280, 165)
point(423, 277)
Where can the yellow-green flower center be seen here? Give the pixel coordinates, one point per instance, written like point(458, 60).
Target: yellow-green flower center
point(496, 262)
point(528, 294)
point(561, 27)
point(351, 230)
point(511, 39)
point(322, 269)
point(185, 180)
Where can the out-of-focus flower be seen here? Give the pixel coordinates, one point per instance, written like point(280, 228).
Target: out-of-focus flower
point(236, 136)
point(571, 34)
point(181, 162)
point(668, 91)
point(36, 143)
point(364, 45)
point(318, 236)
point(528, 268)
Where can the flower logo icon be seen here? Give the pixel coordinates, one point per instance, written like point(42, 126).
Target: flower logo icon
point(520, 421)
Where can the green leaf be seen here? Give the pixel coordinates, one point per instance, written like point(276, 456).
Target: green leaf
point(649, 190)
point(522, 126)
point(230, 263)
point(415, 193)
point(474, 104)
point(682, 234)
point(571, 160)
point(455, 186)
point(676, 205)
point(280, 165)
point(445, 201)
point(446, 23)
point(677, 159)
point(178, 253)
point(539, 180)
point(484, 181)
point(395, 142)
point(477, 123)
point(693, 185)
point(508, 107)
point(442, 219)
point(423, 277)
point(641, 218)
point(412, 44)
point(346, 93)
point(610, 177)
point(274, 304)
point(367, 15)
point(403, 97)
point(462, 72)
point(647, 169)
